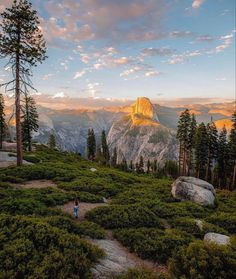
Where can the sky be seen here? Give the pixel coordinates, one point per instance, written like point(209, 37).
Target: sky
point(161, 49)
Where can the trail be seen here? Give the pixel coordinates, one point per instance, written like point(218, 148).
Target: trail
point(118, 259)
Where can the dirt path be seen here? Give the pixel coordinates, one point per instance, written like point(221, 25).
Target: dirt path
point(84, 207)
point(118, 259)
point(42, 183)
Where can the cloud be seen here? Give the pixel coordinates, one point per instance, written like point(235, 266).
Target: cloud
point(48, 76)
point(79, 74)
point(205, 38)
point(177, 59)
point(181, 34)
point(221, 79)
point(152, 74)
point(91, 19)
point(59, 95)
point(156, 51)
point(197, 3)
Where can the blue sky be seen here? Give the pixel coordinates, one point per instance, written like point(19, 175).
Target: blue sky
point(165, 49)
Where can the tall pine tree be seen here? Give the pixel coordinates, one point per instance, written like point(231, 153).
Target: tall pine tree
point(2, 121)
point(191, 144)
point(183, 137)
point(212, 147)
point(232, 149)
point(201, 146)
point(21, 41)
point(29, 122)
point(114, 157)
point(222, 158)
point(105, 149)
point(52, 141)
point(91, 145)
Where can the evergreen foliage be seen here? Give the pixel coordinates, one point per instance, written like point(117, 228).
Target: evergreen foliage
point(104, 147)
point(29, 122)
point(114, 157)
point(3, 124)
point(21, 41)
point(201, 147)
point(91, 145)
point(52, 141)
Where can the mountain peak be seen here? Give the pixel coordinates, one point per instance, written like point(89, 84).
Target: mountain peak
point(144, 113)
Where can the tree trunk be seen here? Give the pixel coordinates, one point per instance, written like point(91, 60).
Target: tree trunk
point(234, 177)
point(18, 110)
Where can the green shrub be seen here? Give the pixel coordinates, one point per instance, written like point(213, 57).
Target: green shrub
point(189, 225)
point(81, 228)
point(153, 244)
point(31, 158)
point(30, 248)
point(141, 273)
point(202, 260)
point(132, 216)
point(224, 220)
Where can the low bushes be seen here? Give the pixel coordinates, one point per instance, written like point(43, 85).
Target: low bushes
point(189, 225)
point(204, 260)
point(82, 228)
point(224, 220)
point(153, 244)
point(141, 273)
point(132, 216)
point(30, 248)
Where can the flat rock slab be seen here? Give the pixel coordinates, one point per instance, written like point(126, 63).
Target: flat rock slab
point(6, 160)
point(42, 183)
point(117, 259)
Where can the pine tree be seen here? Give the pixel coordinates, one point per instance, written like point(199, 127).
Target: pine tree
point(191, 143)
point(183, 137)
point(148, 166)
point(2, 121)
point(212, 136)
point(29, 122)
point(21, 41)
point(232, 149)
point(131, 166)
point(154, 166)
point(223, 157)
point(91, 145)
point(105, 149)
point(52, 141)
point(114, 157)
point(141, 165)
point(201, 145)
point(123, 165)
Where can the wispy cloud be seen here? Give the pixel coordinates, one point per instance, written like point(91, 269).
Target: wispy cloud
point(197, 3)
point(79, 74)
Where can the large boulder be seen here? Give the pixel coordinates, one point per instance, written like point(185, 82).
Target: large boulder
point(217, 238)
point(193, 189)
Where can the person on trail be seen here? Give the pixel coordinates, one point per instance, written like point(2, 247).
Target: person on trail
point(76, 208)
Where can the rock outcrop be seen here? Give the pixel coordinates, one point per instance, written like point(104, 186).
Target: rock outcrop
point(193, 189)
point(217, 238)
point(144, 113)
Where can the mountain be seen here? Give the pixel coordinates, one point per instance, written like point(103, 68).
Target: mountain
point(138, 128)
point(140, 133)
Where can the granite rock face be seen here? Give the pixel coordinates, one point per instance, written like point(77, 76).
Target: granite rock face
point(217, 238)
point(193, 189)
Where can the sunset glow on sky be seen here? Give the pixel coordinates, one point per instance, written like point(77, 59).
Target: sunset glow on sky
point(124, 49)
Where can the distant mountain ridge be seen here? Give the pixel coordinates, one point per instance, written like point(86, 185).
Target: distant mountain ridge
point(141, 128)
